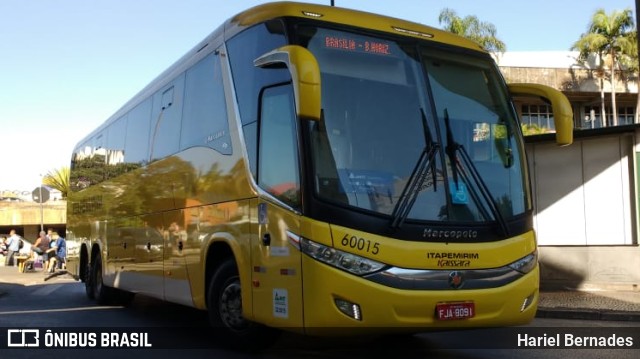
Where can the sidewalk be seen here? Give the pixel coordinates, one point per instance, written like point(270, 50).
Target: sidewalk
point(590, 305)
point(565, 303)
point(9, 276)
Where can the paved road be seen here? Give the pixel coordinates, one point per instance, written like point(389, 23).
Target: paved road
point(62, 303)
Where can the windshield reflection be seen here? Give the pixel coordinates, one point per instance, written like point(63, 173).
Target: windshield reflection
point(378, 146)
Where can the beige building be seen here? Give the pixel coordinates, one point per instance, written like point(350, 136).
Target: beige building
point(580, 82)
point(27, 217)
point(586, 194)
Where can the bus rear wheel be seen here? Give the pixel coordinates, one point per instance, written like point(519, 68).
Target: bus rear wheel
point(103, 294)
point(100, 291)
point(88, 281)
point(224, 303)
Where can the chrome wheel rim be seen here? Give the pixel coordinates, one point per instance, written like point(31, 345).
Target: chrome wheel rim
point(230, 306)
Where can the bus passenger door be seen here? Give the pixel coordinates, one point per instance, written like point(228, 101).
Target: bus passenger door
point(277, 276)
point(276, 259)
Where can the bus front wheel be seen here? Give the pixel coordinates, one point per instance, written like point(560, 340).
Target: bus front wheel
point(224, 303)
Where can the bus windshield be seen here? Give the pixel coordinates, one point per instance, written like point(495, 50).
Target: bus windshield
point(413, 132)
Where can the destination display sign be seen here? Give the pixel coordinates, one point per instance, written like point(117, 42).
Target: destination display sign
point(357, 44)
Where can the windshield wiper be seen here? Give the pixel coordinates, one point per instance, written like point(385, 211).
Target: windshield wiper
point(452, 150)
point(419, 174)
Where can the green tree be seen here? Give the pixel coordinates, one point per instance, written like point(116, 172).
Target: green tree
point(483, 33)
point(609, 37)
point(58, 179)
point(631, 62)
point(533, 129)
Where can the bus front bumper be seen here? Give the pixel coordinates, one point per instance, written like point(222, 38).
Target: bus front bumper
point(335, 299)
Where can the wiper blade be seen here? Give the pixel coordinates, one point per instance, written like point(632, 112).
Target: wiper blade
point(452, 147)
point(414, 185)
point(452, 150)
point(416, 179)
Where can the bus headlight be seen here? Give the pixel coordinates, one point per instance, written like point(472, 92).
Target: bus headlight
point(346, 261)
point(526, 264)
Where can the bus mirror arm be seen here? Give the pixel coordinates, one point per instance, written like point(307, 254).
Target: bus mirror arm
point(305, 75)
point(562, 111)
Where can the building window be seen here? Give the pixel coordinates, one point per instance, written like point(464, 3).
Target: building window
point(593, 116)
point(626, 115)
point(540, 116)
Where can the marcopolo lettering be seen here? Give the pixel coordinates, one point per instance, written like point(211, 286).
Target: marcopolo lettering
point(449, 234)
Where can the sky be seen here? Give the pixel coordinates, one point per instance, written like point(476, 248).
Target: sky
point(67, 65)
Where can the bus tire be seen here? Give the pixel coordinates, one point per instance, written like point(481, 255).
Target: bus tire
point(88, 282)
point(224, 304)
point(101, 293)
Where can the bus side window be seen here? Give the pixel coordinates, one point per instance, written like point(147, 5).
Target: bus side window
point(204, 117)
point(136, 144)
point(166, 120)
point(82, 167)
point(249, 80)
point(114, 161)
point(278, 166)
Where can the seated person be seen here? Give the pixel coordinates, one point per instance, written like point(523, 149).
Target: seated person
point(41, 246)
point(57, 252)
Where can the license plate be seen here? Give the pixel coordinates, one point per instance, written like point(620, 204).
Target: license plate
point(454, 311)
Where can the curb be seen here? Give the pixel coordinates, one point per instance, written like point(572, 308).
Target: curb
point(587, 314)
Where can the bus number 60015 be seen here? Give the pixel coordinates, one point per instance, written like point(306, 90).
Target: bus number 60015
point(361, 244)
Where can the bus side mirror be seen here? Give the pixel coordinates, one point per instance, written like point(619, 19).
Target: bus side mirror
point(305, 74)
point(562, 112)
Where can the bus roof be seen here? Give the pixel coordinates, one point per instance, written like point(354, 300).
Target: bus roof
point(344, 16)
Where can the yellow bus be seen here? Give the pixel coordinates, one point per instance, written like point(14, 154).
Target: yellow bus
point(309, 167)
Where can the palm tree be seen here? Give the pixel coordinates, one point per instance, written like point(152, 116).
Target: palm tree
point(608, 35)
point(483, 33)
point(631, 62)
point(58, 179)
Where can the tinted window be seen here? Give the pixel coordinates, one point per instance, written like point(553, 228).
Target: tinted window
point(82, 173)
point(248, 79)
point(115, 151)
point(88, 163)
point(278, 170)
point(166, 118)
point(137, 138)
point(389, 143)
point(117, 134)
point(204, 121)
